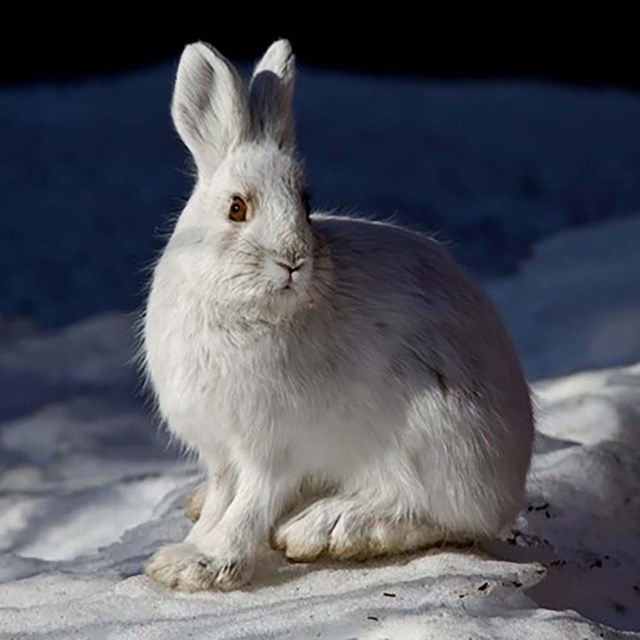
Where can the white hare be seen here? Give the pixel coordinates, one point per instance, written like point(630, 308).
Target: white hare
point(350, 391)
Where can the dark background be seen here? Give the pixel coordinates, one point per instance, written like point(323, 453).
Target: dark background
point(585, 50)
point(532, 126)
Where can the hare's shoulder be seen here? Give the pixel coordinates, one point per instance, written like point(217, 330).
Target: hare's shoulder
point(357, 241)
point(388, 260)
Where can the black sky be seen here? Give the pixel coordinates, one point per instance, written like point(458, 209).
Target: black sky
point(539, 46)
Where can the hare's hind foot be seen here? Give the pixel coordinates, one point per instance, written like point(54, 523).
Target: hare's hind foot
point(195, 501)
point(216, 491)
point(348, 528)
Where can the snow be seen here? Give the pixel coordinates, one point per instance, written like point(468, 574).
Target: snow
point(576, 303)
point(89, 487)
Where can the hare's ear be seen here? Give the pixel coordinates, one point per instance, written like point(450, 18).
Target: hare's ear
point(209, 105)
point(271, 93)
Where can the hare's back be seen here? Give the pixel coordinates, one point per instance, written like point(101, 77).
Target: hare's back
point(378, 263)
point(405, 298)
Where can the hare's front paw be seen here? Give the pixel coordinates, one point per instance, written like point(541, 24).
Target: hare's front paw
point(183, 567)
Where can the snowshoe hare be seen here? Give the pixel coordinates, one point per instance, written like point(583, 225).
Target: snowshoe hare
point(350, 391)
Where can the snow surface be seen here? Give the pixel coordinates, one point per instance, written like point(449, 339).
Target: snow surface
point(90, 173)
point(89, 488)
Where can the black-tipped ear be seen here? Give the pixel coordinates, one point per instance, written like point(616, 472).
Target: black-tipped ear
point(271, 95)
point(209, 105)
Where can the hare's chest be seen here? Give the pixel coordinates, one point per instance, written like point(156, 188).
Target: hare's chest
point(211, 385)
point(180, 357)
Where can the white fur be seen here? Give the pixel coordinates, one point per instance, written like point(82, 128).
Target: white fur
point(371, 404)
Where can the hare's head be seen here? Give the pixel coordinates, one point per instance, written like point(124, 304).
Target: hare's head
point(248, 219)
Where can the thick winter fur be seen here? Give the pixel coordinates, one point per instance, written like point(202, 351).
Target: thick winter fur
point(368, 402)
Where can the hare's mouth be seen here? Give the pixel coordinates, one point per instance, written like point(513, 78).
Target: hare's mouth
point(292, 284)
point(290, 288)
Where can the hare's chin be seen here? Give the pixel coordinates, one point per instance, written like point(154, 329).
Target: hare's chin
point(290, 293)
point(291, 296)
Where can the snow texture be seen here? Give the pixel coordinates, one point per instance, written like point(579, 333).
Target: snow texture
point(91, 173)
point(88, 489)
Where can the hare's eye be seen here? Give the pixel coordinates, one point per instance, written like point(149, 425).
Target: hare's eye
point(238, 209)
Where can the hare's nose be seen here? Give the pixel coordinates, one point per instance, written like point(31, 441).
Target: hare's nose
point(289, 267)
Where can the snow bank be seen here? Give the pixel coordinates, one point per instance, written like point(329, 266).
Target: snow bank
point(576, 303)
point(88, 489)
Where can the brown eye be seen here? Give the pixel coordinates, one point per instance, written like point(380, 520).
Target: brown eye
point(238, 209)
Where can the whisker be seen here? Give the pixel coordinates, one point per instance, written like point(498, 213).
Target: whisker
point(247, 254)
point(256, 247)
point(240, 274)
